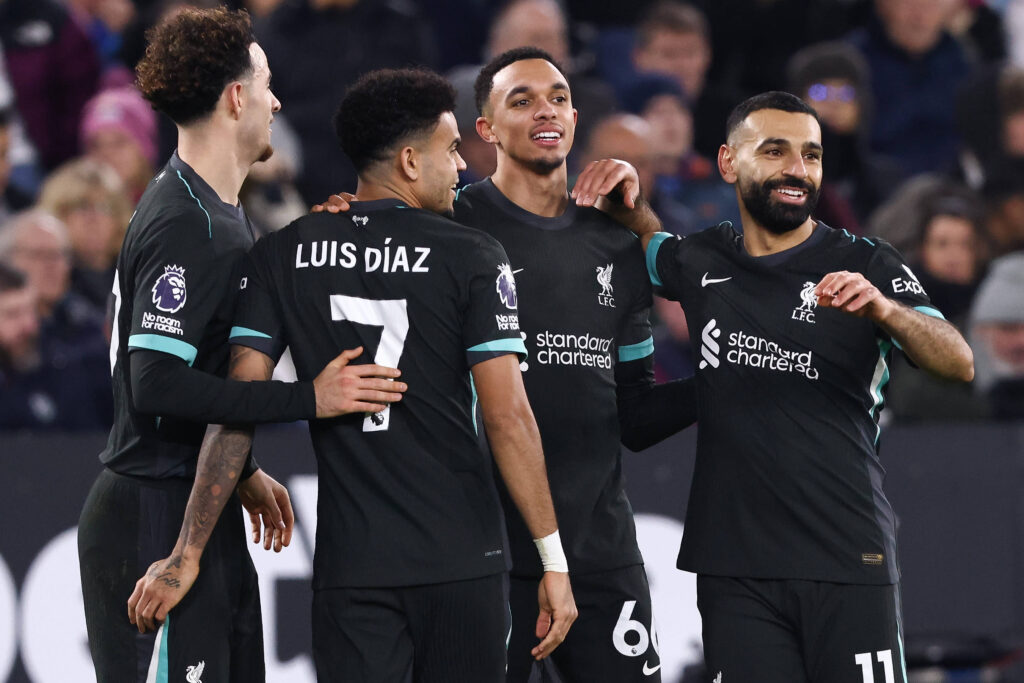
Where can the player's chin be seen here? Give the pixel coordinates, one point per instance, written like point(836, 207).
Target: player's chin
point(267, 152)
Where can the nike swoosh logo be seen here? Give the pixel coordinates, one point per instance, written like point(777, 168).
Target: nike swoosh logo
point(705, 281)
point(648, 671)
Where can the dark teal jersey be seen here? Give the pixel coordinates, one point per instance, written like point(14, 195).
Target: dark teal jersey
point(788, 479)
point(584, 301)
point(407, 496)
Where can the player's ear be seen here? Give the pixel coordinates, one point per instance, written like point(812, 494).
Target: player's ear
point(483, 129)
point(233, 97)
point(727, 163)
point(409, 163)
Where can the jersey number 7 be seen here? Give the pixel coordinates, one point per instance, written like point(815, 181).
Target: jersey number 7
point(390, 314)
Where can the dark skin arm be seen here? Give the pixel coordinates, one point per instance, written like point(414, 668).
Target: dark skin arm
point(515, 443)
point(221, 458)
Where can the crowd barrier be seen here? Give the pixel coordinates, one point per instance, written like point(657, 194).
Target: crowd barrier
point(956, 491)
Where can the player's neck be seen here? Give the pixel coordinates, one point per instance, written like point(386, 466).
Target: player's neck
point(371, 190)
point(759, 241)
point(542, 194)
point(216, 163)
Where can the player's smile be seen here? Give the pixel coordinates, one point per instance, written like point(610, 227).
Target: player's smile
point(547, 135)
point(787, 194)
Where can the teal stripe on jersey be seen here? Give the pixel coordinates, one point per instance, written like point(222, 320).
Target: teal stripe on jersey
point(246, 332)
point(878, 381)
point(472, 385)
point(899, 629)
point(514, 345)
point(157, 672)
point(652, 256)
point(930, 312)
point(636, 351)
point(156, 342)
point(163, 667)
point(209, 223)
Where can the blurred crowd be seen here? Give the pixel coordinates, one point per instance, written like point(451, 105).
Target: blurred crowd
point(922, 104)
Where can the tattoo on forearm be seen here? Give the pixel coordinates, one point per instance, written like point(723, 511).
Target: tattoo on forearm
point(222, 458)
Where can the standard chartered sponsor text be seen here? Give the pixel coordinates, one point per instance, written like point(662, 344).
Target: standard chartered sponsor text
point(561, 348)
point(757, 352)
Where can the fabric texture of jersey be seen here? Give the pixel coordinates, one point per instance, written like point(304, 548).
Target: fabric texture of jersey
point(788, 481)
point(407, 495)
point(584, 301)
point(174, 292)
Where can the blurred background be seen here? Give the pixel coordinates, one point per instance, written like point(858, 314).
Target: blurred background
point(922, 103)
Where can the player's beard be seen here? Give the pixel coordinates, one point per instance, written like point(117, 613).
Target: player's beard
point(772, 214)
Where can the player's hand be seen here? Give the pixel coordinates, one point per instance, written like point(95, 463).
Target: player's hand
point(164, 585)
point(611, 178)
point(557, 612)
point(268, 502)
point(336, 203)
point(854, 294)
point(342, 388)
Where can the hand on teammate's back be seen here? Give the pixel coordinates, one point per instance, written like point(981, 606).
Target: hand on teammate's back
point(343, 388)
point(336, 203)
point(557, 612)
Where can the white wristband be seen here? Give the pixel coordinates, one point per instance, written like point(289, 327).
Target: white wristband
point(551, 554)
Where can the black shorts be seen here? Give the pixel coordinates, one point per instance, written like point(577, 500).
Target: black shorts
point(453, 632)
point(126, 525)
point(801, 631)
point(613, 639)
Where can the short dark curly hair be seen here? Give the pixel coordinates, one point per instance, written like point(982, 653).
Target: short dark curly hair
point(485, 80)
point(389, 106)
point(191, 57)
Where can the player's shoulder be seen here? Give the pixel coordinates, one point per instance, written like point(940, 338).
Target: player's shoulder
point(167, 211)
point(857, 248)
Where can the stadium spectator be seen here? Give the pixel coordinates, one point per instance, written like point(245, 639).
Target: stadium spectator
point(681, 172)
point(54, 70)
point(997, 327)
point(12, 199)
point(543, 24)
point(978, 26)
point(947, 261)
point(629, 138)
point(37, 244)
point(673, 38)
point(103, 21)
point(88, 197)
point(119, 129)
point(916, 67)
point(303, 37)
point(833, 78)
point(46, 383)
point(1004, 199)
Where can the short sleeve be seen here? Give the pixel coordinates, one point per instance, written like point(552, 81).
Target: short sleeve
point(888, 271)
point(179, 282)
point(491, 322)
point(663, 266)
point(257, 322)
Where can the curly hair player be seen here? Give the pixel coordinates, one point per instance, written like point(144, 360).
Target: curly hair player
point(175, 290)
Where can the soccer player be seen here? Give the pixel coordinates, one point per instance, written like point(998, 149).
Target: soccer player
point(788, 529)
point(409, 569)
point(583, 300)
point(175, 291)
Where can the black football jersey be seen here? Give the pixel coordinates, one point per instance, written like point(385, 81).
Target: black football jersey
point(788, 480)
point(174, 291)
point(584, 299)
point(407, 496)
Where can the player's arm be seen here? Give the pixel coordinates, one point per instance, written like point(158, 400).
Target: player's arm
point(649, 412)
point(613, 186)
point(515, 443)
point(930, 342)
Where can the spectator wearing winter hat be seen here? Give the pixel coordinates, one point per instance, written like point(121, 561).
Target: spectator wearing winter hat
point(119, 129)
point(833, 78)
point(997, 335)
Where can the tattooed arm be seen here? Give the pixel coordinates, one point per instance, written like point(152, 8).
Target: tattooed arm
point(221, 458)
